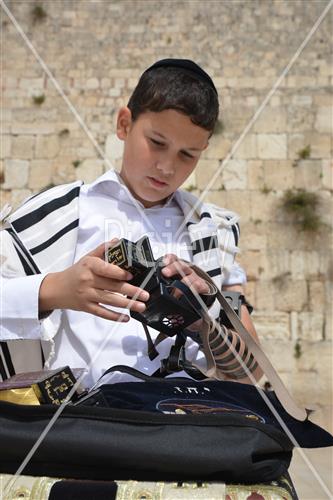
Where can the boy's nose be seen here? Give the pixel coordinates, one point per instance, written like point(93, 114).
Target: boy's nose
point(166, 166)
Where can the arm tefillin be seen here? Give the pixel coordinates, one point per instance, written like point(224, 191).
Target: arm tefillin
point(170, 315)
point(164, 311)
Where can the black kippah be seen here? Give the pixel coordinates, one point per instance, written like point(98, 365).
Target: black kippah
point(186, 64)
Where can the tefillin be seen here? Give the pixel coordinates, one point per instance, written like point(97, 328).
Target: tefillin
point(165, 311)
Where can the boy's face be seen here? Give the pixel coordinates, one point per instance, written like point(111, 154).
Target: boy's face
point(160, 152)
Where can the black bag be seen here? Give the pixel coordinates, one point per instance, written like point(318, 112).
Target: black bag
point(158, 430)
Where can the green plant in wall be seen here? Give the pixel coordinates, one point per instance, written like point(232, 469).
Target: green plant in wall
point(302, 206)
point(38, 14)
point(305, 153)
point(38, 99)
point(297, 350)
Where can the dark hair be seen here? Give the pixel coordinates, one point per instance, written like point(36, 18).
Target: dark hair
point(176, 88)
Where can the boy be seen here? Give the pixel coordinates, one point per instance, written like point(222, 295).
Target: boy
point(56, 284)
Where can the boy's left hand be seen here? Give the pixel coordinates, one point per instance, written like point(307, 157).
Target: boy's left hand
point(175, 266)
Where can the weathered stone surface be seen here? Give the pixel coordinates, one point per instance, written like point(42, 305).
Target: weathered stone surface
point(272, 325)
point(89, 170)
point(40, 174)
point(308, 175)
point(255, 174)
point(23, 147)
point(272, 146)
point(292, 295)
point(16, 174)
point(47, 146)
point(277, 174)
point(6, 142)
point(248, 148)
point(324, 120)
point(234, 174)
point(18, 196)
point(311, 326)
point(320, 145)
point(208, 175)
point(271, 121)
point(113, 147)
point(265, 296)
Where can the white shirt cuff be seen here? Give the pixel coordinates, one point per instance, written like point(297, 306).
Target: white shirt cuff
point(19, 307)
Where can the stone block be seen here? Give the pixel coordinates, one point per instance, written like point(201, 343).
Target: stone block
point(253, 234)
point(272, 325)
point(40, 174)
point(18, 196)
point(247, 148)
point(114, 147)
point(89, 170)
point(218, 148)
point(311, 326)
point(253, 262)
point(5, 143)
point(317, 299)
point(264, 296)
point(237, 201)
point(308, 175)
point(302, 100)
point(281, 355)
point(16, 174)
point(271, 121)
point(320, 145)
point(277, 174)
point(208, 174)
point(234, 174)
point(255, 174)
point(92, 83)
point(34, 128)
point(47, 146)
point(299, 119)
point(324, 120)
point(263, 206)
point(272, 146)
point(31, 83)
point(23, 147)
point(250, 292)
point(290, 295)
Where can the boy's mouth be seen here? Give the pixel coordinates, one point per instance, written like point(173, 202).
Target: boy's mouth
point(157, 183)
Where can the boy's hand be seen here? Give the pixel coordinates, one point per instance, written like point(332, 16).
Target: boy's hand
point(88, 284)
point(174, 266)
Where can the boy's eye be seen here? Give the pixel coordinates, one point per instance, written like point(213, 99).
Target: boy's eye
point(157, 143)
point(185, 153)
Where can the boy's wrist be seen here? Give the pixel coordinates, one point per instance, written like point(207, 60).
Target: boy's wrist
point(47, 299)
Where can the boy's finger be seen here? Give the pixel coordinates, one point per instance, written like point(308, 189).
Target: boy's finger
point(102, 248)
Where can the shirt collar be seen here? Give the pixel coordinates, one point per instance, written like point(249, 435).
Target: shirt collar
point(112, 184)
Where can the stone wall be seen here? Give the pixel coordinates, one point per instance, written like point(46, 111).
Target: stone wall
point(96, 50)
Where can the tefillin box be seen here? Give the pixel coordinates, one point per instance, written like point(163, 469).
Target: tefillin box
point(56, 387)
point(138, 259)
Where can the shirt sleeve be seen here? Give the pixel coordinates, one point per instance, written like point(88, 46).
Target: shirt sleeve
point(18, 296)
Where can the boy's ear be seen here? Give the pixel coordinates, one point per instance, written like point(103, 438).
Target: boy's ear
point(124, 121)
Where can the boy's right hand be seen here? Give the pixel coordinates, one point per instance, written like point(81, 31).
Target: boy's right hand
point(88, 284)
